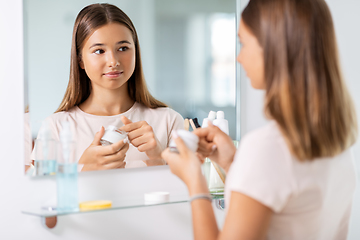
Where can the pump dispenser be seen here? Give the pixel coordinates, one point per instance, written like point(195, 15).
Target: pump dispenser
point(210, 118)
point(221, 122)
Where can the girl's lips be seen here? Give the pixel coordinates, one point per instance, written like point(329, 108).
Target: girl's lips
point(113, 74)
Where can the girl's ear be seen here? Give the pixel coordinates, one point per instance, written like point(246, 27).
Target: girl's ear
point(81, 63)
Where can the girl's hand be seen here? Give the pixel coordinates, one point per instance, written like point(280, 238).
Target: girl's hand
point(141, 135)
point(98, 157)
point(216, 145)
point(186, 165)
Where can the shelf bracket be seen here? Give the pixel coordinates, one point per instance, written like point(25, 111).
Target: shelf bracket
point(49, 222)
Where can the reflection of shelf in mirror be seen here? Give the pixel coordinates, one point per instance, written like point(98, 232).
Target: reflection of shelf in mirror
point(124, 203)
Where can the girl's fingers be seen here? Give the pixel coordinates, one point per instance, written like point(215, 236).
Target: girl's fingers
point(113, 148)
point(170, 157)
point(181, 147)
point(130, 127)
point(143, 139)
point(205, 145)
point(147, 146)
point(113, 165)
point(125, 120)
point(119, 156)
point(201, 132)
point(143, 130)
point(98, 136)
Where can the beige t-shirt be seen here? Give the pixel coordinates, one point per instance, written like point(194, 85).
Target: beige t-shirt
point(84, 127)
point(310, 200)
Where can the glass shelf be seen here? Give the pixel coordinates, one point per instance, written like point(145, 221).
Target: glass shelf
point(135, 201)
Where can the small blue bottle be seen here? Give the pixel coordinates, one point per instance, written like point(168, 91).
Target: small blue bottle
point(67, 174)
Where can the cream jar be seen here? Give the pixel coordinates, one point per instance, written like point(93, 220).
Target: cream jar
point(112, 135)
point(190, 140)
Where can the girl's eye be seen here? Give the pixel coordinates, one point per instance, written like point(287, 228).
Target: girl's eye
point(99, 51)
point(122, 49)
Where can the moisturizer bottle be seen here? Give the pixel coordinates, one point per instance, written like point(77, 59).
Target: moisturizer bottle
point(67, 172)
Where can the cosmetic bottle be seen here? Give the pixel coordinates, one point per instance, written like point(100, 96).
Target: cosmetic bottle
point(67, 174)
point(190, 140)
point(210, 118)
point(112, 135)
point(221, 122)
point(45, 152)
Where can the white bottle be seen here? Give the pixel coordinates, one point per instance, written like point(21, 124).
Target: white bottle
point(210, 118)
point(221, 122)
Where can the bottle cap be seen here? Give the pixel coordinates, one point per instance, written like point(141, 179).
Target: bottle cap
point(220, 115)
point(212, 115)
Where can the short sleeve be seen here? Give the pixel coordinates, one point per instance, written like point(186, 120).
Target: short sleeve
point(262, 170)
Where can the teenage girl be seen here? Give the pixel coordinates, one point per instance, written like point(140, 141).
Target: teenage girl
point(107, 87)
point(293, 178)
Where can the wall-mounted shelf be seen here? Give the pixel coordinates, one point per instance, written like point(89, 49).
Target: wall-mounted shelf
point(49, 214)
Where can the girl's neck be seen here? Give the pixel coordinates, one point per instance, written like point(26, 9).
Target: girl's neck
point(105, 102)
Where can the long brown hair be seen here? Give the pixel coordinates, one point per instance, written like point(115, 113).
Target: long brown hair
point(305, 91)
point(88, 20)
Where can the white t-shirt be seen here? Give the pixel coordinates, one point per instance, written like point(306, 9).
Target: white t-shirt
point(310, 200)
point(84, 127)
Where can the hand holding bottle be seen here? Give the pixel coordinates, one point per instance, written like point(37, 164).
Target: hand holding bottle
point(216, 145)
point(98, 157)
point(142, 136)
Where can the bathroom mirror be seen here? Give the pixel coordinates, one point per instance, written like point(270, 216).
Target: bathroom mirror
point(187, 49)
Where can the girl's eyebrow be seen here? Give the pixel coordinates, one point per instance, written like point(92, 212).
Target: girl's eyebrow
point(101, 44)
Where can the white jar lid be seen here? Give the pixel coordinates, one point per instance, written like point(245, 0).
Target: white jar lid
point(156, 197)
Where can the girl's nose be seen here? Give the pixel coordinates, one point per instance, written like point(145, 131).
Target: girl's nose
point(113, 60)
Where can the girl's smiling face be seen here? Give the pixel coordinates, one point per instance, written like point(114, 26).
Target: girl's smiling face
point(108, 56)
